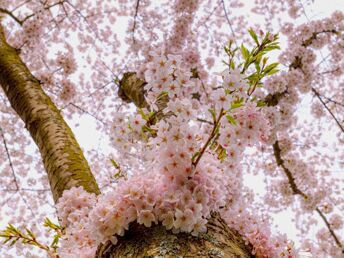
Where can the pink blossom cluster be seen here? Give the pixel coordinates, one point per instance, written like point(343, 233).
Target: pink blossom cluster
point(66, 62)
point(256, 231)
point(49, 24)
point(178, 196)
point(68, 90)
point(74, 201)
point(252, 127)
point(73, 210)
point(184, 12)
point(294, 8)
point(33, 29)
point(180, 39)
point(235, 81)
point(173, 190)
point(166, 74)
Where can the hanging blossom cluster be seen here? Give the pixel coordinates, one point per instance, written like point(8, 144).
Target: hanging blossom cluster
point(181, 40)
point(66, 62)
point(257, 232)
point(73, 209)
point(184, 180)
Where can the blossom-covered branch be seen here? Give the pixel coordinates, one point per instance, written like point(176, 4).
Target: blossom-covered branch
point(297, 191)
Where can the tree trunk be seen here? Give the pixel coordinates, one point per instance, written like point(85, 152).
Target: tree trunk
point(139, 241)
point(63, 159)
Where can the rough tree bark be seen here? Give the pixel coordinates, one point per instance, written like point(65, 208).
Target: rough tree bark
point(66, 167)
point(139, 241)
point(63, 159)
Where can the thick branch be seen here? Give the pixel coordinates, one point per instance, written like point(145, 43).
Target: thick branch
point(131, 90)
point(15, 18)
point(287, 172)
point(62, 156)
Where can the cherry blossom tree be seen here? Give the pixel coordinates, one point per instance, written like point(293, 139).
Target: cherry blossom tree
point(192, 101)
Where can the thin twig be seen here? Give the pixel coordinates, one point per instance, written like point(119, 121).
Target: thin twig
point(228, 21)
point(327, 108)
point(204, 121)
point(9, 159)
point(211, 136)
point(135, 21)
point(330, 229)
point(85, 111)
point(24, 189)
point(333, 101)
point(9, 13)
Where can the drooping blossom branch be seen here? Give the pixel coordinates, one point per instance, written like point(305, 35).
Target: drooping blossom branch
point(273, 100)
point(297, 191)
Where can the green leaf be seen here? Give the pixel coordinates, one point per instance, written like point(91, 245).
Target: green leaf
point(213, 114)
point(118, 175)
point(270, 48)
point(30, 233)
point(13, 242)
point(116, 80)
point(231, 119)
point(144, 116)
point(195, 156)
point(254, 36)
point(146, 128)
point(244, 51)
point(273, 71)
point(51, 225)
point(115, 164)
point(270, 67)
point(6, 240)
point(232, 65)
point(221, 152)
point(55, 241)
point(236, 105)
point(261, 103)
point(256, 64)
point(253, 77)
